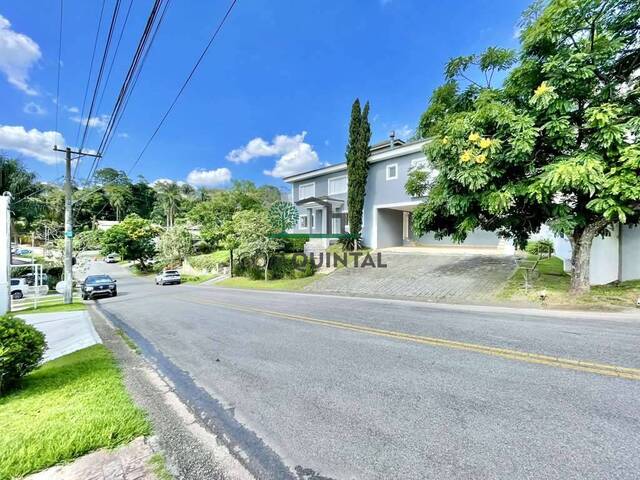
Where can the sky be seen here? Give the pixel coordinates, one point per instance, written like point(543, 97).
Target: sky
point(271, 98)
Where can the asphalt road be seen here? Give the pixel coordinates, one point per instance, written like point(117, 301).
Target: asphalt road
point(334, 387)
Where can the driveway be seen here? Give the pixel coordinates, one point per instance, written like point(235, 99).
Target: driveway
point(304, 386)
point(432, 277)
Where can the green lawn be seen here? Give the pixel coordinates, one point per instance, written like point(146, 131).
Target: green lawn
point(291, 284)
point(54, 304)
point(68, 407)
point(196, 279)
point(552, 279)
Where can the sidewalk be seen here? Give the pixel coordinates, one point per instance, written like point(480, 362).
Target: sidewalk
point(65, 332)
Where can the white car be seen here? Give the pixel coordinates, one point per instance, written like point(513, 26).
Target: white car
point(19, 288)
point(168, 277)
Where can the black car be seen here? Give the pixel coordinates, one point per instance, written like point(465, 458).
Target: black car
point(98, 286)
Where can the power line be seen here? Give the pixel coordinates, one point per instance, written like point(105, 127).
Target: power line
point(105, 55)
point(86, 88)
point(186, 82)
point(127, 83)
point(59, 68)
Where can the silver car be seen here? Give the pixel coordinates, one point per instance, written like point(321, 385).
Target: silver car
point(168, 277)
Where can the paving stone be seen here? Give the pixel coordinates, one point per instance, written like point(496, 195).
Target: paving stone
point(429, 277)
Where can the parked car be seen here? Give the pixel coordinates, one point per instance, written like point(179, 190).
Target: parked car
point(23, 251)
point(167, 277)
point(112, 258)
point(98, 286)
point(19, 288)
point(31, 279)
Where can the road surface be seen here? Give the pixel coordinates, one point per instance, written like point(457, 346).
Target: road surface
point(316, 387)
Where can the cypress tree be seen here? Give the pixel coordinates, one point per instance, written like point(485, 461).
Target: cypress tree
point(357, 154)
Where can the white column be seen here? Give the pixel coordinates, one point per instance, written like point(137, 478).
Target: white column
point(5, 255)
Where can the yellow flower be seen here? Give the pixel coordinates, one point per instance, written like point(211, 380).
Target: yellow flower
point(474, 137)
point(481, 158)
point(445, 140)
point(485, 143)
point(466, 156)
point(542, 89)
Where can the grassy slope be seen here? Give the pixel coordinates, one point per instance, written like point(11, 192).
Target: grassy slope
point(68, 407)
point(555, 282)
point(282, 284)
point(196, 279)
point(55, 304)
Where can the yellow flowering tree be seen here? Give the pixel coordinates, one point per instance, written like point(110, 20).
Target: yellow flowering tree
point(556, 143)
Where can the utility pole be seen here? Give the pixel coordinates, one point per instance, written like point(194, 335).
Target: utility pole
point(68, 220)
point(5, 254)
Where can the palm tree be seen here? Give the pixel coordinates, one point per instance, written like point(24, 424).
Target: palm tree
point(169, 198)
point(119, 197)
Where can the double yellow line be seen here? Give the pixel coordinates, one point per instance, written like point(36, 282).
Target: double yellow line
point(579, 365)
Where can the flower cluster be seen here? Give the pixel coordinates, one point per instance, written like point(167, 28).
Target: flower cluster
point(478, 151)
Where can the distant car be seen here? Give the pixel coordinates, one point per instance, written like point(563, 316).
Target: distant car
point(31, 279)
point(23, 251)
point(112, 258)
point(19, 288)
point(168, 277)
point(98, 286)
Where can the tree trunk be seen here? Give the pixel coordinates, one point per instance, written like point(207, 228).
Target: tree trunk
point(581, 242)
point(266, 268)
point(231, 262)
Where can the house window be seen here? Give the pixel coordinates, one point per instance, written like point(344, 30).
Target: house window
point(338, 185)
point(392, 171)
point(304, 221)
point(307, 190)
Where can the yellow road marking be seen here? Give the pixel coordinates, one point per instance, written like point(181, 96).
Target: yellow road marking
point(592, 367)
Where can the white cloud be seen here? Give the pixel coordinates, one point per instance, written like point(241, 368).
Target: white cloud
point(18, 54)
point(123, 135)
point(295, 154)
point(99, 121)
point(33, 108)
point(33, 143)
point(73, 109)
point(209, 178)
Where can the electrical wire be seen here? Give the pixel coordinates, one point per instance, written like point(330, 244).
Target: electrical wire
point(184, 85)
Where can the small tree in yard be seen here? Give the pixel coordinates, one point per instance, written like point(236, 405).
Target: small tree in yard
point(175, 244)
point(252, 231)
point(133, 239)
point(357, 166)
point(21, 350)
point(556, 144)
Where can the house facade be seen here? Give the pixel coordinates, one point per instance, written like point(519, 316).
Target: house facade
point(321, 198)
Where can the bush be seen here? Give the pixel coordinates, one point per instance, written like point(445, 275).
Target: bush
point(210, 260)
point(280, 266)
point(351, 243)
point(540, 247)
point(294, 244)
point(21, 350)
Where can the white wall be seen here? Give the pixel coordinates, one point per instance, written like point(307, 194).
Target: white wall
point(605, 256)
point(630, 253)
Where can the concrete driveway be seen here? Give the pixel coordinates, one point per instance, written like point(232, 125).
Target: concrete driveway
point(432, 277)
point(305, 387)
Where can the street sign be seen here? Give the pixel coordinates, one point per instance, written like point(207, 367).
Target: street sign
point(68, 234)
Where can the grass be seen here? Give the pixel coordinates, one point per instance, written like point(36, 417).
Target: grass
point(291, 284)
point(54, 303)
point(555, 282)
point(159, 467)
point(126, 339)
point(196, 279)
point(67, 408)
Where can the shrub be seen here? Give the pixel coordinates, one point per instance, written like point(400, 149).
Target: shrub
point(540, 247)
point(210, 260)
point(351, 242)
point(280, 266)
point(294, 244)
point(21, 350)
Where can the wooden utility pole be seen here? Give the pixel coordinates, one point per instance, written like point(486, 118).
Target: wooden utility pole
point(68, 220)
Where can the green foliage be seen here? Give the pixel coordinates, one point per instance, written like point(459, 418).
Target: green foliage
point(357, 167)
point(252, 230)
point(132, 239)
point(283, 215)
point(556, 144)
point(22, 185)
point(21, 350)
point(88, 240)
point(175, 244)
point(540, 247)
point(285, 266)
point(210, 261)
point(351, 242)
point(294, 244)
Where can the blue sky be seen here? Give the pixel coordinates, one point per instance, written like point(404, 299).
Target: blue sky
point(272, 97)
